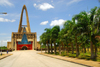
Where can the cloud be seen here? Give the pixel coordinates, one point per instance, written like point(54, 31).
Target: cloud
point(51, 0)
point(5, 41)
point(57, 22)
point(44, 23)
point(11, 15)
point(5, 3)
point(43, 6)
point(69, 14)
point(73, 1)
point(6, 20)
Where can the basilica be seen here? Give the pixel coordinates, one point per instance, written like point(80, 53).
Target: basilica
point(24, 39)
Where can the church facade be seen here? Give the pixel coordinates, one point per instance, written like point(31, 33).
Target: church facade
point(24, 39)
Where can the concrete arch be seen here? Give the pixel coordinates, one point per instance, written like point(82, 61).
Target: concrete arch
point(21, 18)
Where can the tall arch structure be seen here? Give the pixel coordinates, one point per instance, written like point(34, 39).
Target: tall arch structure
point(24, 37)
point(27, 19)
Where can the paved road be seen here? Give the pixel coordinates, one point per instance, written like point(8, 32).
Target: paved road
point(32, 59)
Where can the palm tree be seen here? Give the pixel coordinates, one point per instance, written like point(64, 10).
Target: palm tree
point(61, 40)
point(54, 35)
point(91, 32)
point(43, 39)
point(86, 26)
point(48, 36)
point(69, 34)
point(96, 22)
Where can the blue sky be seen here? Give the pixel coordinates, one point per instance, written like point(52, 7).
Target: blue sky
point(42, 14)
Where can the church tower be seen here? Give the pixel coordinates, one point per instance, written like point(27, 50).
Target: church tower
point(24, 39)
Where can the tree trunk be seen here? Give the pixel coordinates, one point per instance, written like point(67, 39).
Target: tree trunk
point(77, 47)
point(99, 49)
point(45, 48)
point(68, 49)
point(51, 48)
point(63, 46)
point(54, 48)
point(92, 51)
point(95, 51)
point(48, 48)
point(84, 49)
point(72, 49)
point(60, 49)
point(88, 49)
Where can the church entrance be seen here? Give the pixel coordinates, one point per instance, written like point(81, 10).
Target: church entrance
point(24, 48)
point(24, 44)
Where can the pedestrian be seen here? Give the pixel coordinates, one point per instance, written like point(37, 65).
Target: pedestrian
point(1, 52)
point(7, 51)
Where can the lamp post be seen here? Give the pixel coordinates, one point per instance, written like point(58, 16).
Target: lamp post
point(1, 41)
point(1, 47)
point(41, 47)
point(3, 13)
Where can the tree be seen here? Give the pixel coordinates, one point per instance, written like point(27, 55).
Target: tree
point(54, 35)
point(68, 26)
point(43, 39)
point(48, 36)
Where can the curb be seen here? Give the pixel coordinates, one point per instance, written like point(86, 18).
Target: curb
point(87, 63)
point(4, 56)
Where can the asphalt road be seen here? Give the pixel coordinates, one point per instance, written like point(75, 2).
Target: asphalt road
point(32, 59)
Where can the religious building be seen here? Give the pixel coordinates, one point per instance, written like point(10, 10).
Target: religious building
point(24, 39)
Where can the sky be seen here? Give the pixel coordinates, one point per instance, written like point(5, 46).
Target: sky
point(42, 14)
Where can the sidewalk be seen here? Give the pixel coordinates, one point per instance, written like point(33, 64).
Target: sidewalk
point(3, 56)
point(75, 60)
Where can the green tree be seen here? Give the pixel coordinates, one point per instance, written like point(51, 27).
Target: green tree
point(48, 36)
point(43, 39)
point(54, 35)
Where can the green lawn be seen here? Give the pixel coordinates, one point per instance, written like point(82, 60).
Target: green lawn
point(81, 56)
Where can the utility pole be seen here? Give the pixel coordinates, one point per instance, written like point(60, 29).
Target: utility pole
point(1, 47)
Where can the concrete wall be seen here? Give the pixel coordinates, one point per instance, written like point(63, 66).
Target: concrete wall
point(9, 45)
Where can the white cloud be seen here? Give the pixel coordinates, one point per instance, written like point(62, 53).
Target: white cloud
point(3, 14)
point(57, 22)
point(51, 0)
point(5, 41)
point(6, 20)
point(69, 14)
point(5, 3)
point(43, 6)
point(11, 15)
point(73, 1)
point(44, 23)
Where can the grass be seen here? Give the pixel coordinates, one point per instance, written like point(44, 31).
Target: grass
point(3, 48)
point(86, 55)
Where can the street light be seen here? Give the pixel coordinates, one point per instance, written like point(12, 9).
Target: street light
point(41, 47)
point(3, 13)
point(1, 47)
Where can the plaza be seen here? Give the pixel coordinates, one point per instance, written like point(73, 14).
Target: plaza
point(31, 58)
